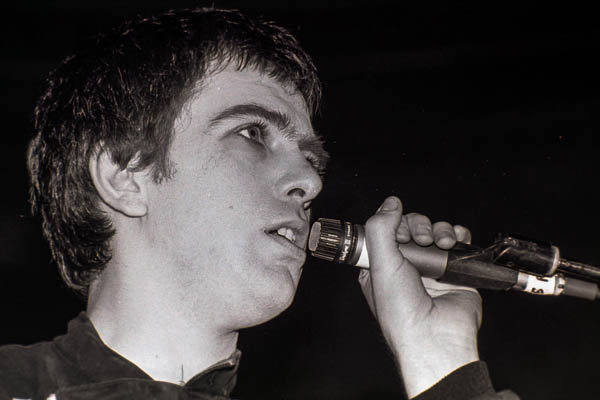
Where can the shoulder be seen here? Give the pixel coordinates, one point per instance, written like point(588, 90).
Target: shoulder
point(16, 358)
point(26, 371)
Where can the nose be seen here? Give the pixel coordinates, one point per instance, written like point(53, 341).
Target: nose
point(299, 182)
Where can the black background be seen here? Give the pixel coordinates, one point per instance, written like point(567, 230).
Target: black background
point(482, 115)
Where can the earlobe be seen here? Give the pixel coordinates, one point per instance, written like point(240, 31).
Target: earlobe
point(124, 190)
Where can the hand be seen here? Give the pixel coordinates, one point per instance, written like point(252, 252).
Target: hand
point(431, 327)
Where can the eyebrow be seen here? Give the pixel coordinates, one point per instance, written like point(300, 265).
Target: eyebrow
point(312, 143)
point(281, 120)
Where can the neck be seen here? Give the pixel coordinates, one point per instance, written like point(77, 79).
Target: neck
point(151, 326)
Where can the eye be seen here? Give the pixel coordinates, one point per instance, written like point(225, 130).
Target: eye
point(256, 133)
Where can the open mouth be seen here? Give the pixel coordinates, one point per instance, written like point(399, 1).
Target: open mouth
point(285, 233)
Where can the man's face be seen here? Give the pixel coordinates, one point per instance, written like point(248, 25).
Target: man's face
point(231, 225)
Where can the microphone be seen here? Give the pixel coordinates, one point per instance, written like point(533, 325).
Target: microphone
point(512, 263)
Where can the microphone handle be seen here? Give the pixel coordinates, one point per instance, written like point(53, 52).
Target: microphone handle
point(464, 264)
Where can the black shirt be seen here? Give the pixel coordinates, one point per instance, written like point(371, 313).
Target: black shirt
point(79, 366)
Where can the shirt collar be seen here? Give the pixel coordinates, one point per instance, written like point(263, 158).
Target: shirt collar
point(84, 348)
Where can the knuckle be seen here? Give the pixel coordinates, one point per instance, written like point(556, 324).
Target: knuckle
point(419, 219)
point(444, 231)
point(443, 225)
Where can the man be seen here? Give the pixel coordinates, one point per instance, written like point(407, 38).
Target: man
point(174, 165)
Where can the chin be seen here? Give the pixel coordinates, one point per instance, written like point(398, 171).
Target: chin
point(266, 306)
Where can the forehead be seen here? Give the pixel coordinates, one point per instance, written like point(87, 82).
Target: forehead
point(229, 88)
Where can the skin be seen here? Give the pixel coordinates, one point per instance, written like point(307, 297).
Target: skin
point(195, 258)
point(430, 327)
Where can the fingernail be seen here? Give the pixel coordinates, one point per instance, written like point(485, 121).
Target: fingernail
point(391, 203)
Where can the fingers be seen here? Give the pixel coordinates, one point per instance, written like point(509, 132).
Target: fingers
point(463, 234)
point(435, 287)
point(403, 233)
point(418, 316)
point(418, 227)
point(444, 235)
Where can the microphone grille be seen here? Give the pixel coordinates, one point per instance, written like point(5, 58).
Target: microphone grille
point(325, 239)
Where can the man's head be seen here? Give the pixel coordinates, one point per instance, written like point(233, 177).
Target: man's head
point(223, 239)
point(122, 95)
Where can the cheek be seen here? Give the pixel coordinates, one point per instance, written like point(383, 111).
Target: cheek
point(211, 202)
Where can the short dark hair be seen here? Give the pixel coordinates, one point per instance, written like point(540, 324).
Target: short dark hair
point(122, 93)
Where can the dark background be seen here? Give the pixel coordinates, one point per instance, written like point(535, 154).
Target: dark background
point(483, 115)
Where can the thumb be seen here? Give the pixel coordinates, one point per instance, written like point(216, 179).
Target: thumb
point(380, 235)
point(395, 281)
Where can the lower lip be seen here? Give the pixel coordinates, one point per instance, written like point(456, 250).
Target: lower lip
point(297, 251)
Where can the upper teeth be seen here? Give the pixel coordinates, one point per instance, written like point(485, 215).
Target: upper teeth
point(287, 233)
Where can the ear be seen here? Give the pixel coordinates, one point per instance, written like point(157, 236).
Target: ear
point(124, 190)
